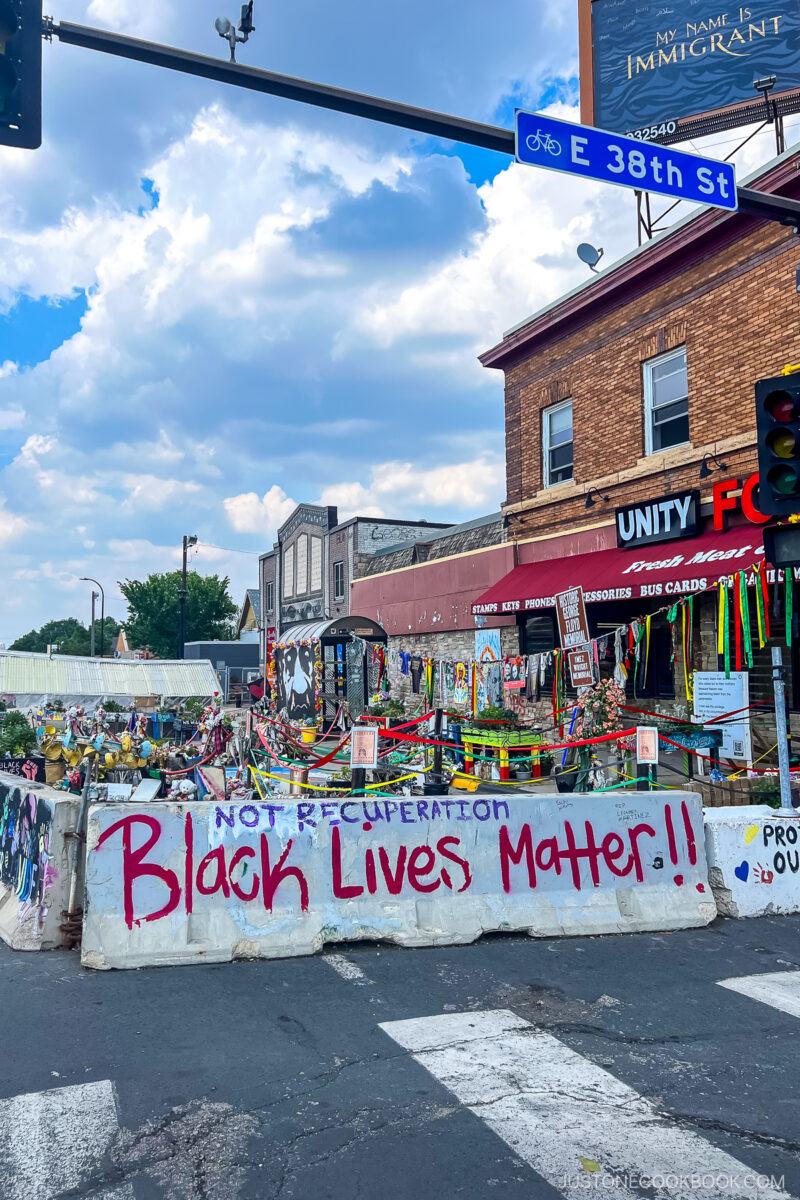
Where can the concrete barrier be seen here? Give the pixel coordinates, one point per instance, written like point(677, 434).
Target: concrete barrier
point(753, 861)
point(35, 860)
point(206, 882)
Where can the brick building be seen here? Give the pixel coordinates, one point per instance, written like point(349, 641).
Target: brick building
point(634, 388)
point(422, 593)
point(307, 574)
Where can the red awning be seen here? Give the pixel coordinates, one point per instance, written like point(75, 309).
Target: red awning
point(669, 569)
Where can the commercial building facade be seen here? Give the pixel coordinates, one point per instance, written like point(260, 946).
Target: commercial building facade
point(307, 574)
point(631, 442)
point(631, 460)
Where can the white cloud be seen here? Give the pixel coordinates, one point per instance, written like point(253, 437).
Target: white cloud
point(12, 418)
point(12, 526)
point(249, 514)
point(401, 489)
point(149, 493)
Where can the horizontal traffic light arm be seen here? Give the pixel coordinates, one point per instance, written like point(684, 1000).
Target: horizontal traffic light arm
point(372, 108)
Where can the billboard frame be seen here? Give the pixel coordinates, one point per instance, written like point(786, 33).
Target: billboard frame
point(716, 120)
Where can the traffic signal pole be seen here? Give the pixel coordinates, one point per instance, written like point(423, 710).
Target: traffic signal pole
point(372, 108)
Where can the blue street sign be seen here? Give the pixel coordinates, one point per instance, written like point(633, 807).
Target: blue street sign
point(647, 166)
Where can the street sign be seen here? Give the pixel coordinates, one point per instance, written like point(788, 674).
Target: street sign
point(647, 166)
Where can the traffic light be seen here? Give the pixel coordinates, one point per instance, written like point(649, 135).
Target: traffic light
point(21, 73)
point(778, 436)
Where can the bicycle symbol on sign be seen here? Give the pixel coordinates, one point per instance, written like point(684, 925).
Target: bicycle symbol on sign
point(542, 141)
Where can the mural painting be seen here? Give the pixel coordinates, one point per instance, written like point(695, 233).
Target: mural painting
point(25, 867)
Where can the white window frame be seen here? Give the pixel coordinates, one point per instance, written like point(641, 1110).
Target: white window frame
point(287, 567)
point(339, 562)
point(647, 380)
point(546, 443)
point(270, 596)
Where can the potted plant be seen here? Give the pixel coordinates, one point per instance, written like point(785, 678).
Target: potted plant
point(546, 765)
point(308, 731)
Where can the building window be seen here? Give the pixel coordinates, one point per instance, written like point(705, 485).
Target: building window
point(302, 565)
point(666, 401)
point(316, 564)
point(557, 443)
point(270, 601)
point(288, 573)
point(338, 580)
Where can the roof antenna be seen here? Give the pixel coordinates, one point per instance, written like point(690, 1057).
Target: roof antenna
point(588, 254)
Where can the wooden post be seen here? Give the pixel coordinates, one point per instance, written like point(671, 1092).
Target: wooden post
point(359, 780)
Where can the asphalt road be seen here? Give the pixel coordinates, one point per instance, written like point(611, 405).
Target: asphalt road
point(323, 1077)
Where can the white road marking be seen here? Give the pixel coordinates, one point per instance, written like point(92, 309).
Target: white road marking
point(781, 989)
point(348, 970)
point(51, 1141)
point(570, 1120)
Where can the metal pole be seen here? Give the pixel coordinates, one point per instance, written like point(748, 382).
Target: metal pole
point(182, 602)
point(779, 687)
point(91, 626)
point(79, 836)
point(437, 749)
point(102, 621)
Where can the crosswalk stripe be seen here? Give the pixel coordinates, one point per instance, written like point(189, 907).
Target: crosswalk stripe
point(567, 1118)
point(781, 989)
point(51, 1141)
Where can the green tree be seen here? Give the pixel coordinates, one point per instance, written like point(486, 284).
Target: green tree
point(70, 636)
point(153, 611)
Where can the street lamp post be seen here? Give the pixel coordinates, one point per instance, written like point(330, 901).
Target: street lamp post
point(88, 579)
point(188, 540)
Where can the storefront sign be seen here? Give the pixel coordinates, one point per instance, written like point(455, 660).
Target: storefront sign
point(364, 747)
point(581, 668)
point(664, 520)
point(573, 624)
point(726, 502)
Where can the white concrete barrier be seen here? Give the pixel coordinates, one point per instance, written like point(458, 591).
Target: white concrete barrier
point(205, 882)
point(35, 860)
point(753, 861)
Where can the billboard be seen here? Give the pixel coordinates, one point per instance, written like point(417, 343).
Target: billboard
point(646, 64)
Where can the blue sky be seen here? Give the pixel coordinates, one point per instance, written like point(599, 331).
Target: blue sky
point(214, 305)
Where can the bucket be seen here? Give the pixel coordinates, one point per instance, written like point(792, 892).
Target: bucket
point(309, 736)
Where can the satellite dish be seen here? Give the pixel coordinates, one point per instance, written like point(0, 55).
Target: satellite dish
point(222, 26)
point(588, 254)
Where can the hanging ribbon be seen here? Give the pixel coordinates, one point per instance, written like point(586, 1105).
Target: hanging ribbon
point(737, 626)
point(638, 634)
point(762, 605)
point(762, 573)
point(672, 616)
point(474, 689)
point(727, 648)
point(687, 618)
point(744, 605)
point(789, 592)
point(646, 647)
